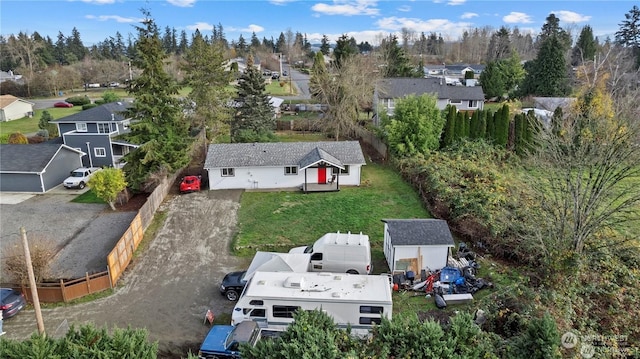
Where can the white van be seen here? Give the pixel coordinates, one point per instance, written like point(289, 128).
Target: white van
point(339, 253)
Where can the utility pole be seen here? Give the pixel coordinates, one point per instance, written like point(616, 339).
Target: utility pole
point(32, 282)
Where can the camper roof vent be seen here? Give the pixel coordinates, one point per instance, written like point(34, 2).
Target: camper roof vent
point(336, 295)
point(337, 277)
point(358, 285)
point(262, 282)
point(295, 282)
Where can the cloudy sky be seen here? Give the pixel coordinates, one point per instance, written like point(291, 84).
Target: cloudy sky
point(366, 20)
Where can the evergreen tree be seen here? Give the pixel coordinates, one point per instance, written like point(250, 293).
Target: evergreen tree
point(482, 125)
point(75, 45)
point(241, 46)
point(184, 43)
point(449, 133)
point(492, 80)
point(318, 73)
point(206, 75)
point(396, 60)
point(501, 126)
point(255, 42)
point(254, 119)
point(281, 44)
point(474, 125)
point(459, 126)
point(157, 123)
point(585, 48)
point(344, 49)
point(519, 133)
point(499, 45)
point(324, 45)
point(551, 28)
point(629, 33)
point(548, 75)
point(491, 126)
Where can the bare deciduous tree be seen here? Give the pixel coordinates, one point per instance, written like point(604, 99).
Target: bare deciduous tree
point(346, 90)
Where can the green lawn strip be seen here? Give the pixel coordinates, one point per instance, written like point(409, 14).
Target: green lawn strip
point(277, 221)
point(275, 89)
point(30, 125)
point(88, 197)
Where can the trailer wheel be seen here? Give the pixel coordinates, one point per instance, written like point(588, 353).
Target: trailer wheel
point(352, 271)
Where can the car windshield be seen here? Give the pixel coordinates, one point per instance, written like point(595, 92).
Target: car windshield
point(309, 249)
point(77, 174)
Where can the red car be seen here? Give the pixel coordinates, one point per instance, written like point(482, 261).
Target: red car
point(62, 104)
point(190, 184)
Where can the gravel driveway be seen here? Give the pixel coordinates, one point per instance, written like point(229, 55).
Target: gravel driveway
point(168, 289)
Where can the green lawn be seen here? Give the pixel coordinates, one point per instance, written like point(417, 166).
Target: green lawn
point(88, 197)
point(296, 136)
point(275, 89)
point(29, 125)
point(277, 221)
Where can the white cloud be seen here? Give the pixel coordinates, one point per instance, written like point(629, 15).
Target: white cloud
point(280, 2)
point(570, 16)
point(99, 2)
point(182, 3)
point(443, 26)
point(202, 26)
point(347, 8)
point(115, 18)
point(515, 17)
point(456, 2)
point(404, 8)
point(253, 28)
point(468, 15)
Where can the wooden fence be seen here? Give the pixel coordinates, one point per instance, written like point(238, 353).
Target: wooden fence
point(119, 257)
point(371, 139)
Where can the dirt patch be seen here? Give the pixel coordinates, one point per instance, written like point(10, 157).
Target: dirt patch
point(134, 204)
point(438, 316)
point(171, 287)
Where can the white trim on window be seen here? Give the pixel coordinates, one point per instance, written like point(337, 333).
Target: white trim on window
point(81, 127)
point(473, 103)
point(104, 127)
point(99, 152)
point(344, 171)
point(227, 172)
point(291, 170)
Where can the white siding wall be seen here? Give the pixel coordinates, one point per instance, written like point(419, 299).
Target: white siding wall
point(16, 110)
point(433, 257)
point(274, 177)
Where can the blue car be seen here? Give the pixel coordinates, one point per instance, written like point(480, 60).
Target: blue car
point(12, 302)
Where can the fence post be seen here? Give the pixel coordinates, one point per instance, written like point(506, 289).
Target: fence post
point(63, 290)
point(86, 278)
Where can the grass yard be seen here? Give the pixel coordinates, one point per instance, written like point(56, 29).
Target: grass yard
point(277, 221)
point(297, 136)
point(88, 197)
point(27, 125)
point(275, 89)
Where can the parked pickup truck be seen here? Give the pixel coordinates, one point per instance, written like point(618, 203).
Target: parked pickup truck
point(223, 341)
point(79, 177)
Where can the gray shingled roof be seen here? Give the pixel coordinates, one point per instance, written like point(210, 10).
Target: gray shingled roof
point(231, 155)
point(98, 114)
point(316, 155)
point(27, 158)
point(419, 232)
point(403, 86)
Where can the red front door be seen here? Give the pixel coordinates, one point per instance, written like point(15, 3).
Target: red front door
point(322, 175)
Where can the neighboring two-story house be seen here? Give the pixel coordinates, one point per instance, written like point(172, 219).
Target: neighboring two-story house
point(464, 98)
point(93, 131)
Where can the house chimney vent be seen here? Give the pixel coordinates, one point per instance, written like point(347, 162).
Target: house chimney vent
point(113, 117)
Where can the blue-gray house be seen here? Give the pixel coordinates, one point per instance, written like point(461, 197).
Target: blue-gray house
point(93, 131)
point(36, 168)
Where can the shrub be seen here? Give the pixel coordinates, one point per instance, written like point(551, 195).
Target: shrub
point(89, 105)
point(43, 133)
point(18, 138)
point(79, 100)
point(41, 250)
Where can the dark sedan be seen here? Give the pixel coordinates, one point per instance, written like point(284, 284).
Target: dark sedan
point(12, 302)
point(233, 285)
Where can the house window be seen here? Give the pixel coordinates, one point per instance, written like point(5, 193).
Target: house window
point(104, 128)
point(291, 170)
point(391, 103)
point(228, 172)
point(81, 127)
point(457, 102)
point(344, 171)
point(284, 311)
point(100, 152)
point(473, 103)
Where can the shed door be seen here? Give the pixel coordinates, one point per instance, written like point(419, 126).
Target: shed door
point(322, 175)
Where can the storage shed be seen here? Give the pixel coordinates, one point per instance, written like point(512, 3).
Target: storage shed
point(416, 244)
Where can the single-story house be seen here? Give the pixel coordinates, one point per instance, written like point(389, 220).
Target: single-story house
point(36, 168)
point(13, 108)
point(464, 98)
point(416, 244)
point(311, 166)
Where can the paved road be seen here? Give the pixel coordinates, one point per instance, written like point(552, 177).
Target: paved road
point(301, 82)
